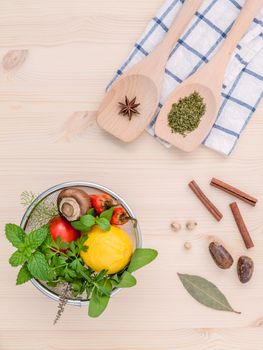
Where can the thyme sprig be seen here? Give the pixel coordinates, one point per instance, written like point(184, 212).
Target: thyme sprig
point(63, 299)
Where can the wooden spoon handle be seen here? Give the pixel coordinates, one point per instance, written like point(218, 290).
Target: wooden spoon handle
point(176, 30)
point(242, 23)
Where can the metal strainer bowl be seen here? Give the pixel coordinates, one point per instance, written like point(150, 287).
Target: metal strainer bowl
point(49, 197)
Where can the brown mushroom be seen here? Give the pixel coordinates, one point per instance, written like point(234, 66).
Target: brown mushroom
point(73, 203)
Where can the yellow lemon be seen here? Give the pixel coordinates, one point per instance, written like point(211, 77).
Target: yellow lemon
point(109, 250)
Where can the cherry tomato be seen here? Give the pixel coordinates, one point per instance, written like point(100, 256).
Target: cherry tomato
point(119, 217)
point(101, 202)
point(60, 227)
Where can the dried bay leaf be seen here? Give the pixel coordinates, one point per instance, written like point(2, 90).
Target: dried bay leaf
point(205, 292)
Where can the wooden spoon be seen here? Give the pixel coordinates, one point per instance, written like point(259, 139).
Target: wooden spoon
point(143, 81)
point(208, 83)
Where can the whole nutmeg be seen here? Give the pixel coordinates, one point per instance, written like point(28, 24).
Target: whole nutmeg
point(245, 269)
point(176, 226)
point(191, 225)
point(220, 255)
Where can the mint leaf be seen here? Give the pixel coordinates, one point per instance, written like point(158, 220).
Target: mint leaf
point(98, 301)
point(141, 257)
point(17, 258)
point(79, 226)
point(107, 214)
point(37, 237)
point(27, 252)
point(15, 234)
point(38, 266)
point(127, 280)
point(103, 224)
point(23, 275)
point(87, 220)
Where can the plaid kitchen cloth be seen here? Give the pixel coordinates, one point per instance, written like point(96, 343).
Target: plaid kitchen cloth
point(243, 84)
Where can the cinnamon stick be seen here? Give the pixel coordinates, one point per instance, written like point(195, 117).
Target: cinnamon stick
point(206, 202)
point(233, 191)
point(241, 225)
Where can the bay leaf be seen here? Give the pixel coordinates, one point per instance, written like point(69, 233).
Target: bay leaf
point(205, 292)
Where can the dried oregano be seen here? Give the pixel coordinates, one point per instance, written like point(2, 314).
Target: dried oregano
point(186, 114)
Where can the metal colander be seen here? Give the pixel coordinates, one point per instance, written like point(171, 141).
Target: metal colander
point(48, 199)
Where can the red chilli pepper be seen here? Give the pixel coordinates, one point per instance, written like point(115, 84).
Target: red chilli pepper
point(101, 202)
point(119, 217)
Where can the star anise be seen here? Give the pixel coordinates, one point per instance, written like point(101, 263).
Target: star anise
point(129, 107)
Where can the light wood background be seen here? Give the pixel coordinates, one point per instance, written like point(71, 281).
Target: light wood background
point(74, 48)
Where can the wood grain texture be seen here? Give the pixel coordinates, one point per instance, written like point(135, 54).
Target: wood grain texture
point(73, 50)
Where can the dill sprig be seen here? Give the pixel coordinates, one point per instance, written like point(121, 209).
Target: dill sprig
point(43, 212)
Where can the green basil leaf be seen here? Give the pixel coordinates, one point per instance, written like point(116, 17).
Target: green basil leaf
point(103, 224)
point(107, 214)
point(104, 291)
point(23, 275)
point(91, 212)
point(205, 292)
point(141, 257)
point(87, 220)
point(127, 280)
point(15, 234)
point(99, 302)
point(115, 278)
point(17, 258)
point(38, 266)
point(79, 226)
point(35, 238)
point(101, 275)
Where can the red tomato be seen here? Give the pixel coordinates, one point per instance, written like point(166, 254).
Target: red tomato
point(119, 217)
point(101, 202)
point(60, 227)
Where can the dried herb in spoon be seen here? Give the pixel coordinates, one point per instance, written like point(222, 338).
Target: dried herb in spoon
point(185, 115)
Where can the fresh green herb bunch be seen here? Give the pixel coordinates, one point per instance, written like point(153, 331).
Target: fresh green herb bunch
point(59, 262)
point(186, 114)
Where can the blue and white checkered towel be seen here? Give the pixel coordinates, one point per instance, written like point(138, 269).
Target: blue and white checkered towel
point(243, 84)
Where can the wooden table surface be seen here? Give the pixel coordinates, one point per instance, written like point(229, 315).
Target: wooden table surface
point(74, 48)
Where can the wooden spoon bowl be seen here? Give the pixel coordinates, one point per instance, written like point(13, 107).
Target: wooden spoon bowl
point(139, 86)
point(208, 82)
point(191, 140)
